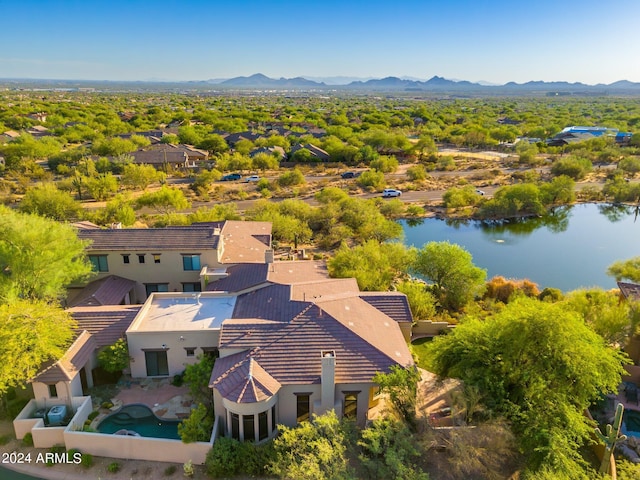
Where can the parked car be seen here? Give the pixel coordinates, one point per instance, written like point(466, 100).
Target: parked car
point(391, 192)
point(252, 178)
point(348, 175)
point(479, 192)
point(231, 176)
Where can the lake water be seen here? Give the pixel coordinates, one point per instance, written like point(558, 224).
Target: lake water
point(567, 249)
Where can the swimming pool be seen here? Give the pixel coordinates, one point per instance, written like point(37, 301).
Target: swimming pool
point(139, 419)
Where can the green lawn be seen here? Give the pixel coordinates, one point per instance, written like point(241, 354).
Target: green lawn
point(419, 347)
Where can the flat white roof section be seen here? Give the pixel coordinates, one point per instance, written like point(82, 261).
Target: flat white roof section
point(183, 311)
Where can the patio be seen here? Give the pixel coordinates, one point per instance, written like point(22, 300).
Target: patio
point(166, 400)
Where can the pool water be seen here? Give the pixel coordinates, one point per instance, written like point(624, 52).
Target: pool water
point(141, 419)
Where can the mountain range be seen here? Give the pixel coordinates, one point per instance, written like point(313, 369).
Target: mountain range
point(435, 83)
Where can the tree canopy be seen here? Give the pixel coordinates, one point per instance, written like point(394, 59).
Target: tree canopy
point(625, 269)
point(38, 257)
point(538, 365)
point(21, 349)
point(456, 280)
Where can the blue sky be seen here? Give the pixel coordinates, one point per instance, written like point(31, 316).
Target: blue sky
point(496, 41)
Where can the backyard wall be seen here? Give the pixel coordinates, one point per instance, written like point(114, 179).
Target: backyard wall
point(427, 328)
point(139, 448)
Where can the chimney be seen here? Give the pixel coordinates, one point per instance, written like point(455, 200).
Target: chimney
point(268, 256)
point(328, 380)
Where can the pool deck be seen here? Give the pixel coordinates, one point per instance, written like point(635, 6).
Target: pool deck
point(166, 400)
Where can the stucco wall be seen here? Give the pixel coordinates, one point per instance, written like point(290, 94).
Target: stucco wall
point(175, 348)
point(140, 448)
point(170, 269)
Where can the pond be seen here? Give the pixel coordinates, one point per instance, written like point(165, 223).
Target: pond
point(569, 248)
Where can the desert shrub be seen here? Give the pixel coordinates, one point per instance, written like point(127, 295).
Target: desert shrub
point(502, 289)
point(27, 440)
point(87, 460)
point(387, 450)
point(312, 450)
point(114, 358)
point(371, 179)
point(384, 164)
point(574, 167)
point(290, 178)
point(550, 294)
point(113, 467)
point(197, 427)
point(461, 197)
point(414, 210)
point(417, 173)
point(224, 459)
point(630, 165)
point(446, 163)
point(178, 380)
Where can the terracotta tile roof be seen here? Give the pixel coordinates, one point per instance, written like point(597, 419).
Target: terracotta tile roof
point(151, 238)
point(72, 361)
point(240, 277)
point(324, 289)
point(365, 342)
point(109, 290)
point(630, 291)
point(296, 271)
point(107, 323)
point(245, 242)
point(155, 157)
point(393, 304)
point(240, 379)
point(269, 303)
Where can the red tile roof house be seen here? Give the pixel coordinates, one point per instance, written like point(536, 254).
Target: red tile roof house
point(291, 342)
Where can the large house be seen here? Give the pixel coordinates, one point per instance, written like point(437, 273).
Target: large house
point(290, 342)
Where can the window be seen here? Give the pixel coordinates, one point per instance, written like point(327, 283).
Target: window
point(53, 391)
point(99, 263)
point(191, 261)
point(263, 426)
point(351, 405)
point(191, 352)
point(273, 418)
point(157, 364)
point(141, 258)
point(235, 426)
point(126, 258)
point(212, 352)
point(156, 258)
point(248, 427)
point(302, 407)
point(191, 287)
point(156, 287)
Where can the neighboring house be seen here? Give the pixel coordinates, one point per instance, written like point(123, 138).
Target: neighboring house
point(8, 136)
point(39, 117)
point(234, 138)
point(175, 259)
point(194, 155)
point(38, 131)
point(162, 158)
point(316, 152)
point(274, 151)
point(580, 134)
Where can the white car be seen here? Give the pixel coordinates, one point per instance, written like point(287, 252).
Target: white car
point(252, 178)
point(391, 192)
point(479, 192)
